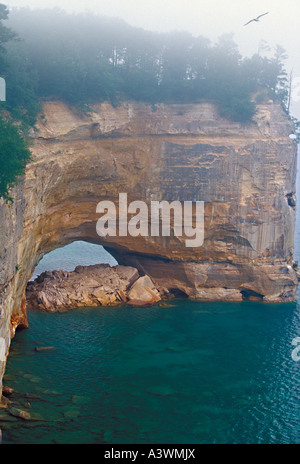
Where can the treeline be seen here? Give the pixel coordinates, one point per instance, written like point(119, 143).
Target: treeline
point(14, 151)
point(84, 58)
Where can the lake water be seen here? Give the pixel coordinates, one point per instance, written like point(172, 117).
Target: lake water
point(183, 374)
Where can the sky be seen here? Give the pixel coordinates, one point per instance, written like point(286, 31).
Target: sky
point(209, 18)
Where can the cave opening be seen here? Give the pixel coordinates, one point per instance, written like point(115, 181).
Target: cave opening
point(177, 293)
point(251, 295)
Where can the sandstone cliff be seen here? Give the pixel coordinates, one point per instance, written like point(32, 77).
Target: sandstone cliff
point(244, 173)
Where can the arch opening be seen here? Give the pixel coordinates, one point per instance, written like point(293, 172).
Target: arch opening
point(82, 274)
point(77, 253)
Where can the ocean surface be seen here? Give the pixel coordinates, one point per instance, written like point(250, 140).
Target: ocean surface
point(187, 373)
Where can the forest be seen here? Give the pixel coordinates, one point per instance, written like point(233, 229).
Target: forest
point(82, 59)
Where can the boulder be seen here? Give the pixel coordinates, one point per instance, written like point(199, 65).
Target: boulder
point(19, 413)
point(143, 292)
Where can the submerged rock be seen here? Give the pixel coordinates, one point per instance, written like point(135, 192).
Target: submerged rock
point(44, 348)
point(72, 413)
point(7, 418)
point(25, 415)
point(32, 396)
point(79, 400)
point(19, 413)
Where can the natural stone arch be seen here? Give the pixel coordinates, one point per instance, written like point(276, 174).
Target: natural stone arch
point(245, 174)
point(185, 155)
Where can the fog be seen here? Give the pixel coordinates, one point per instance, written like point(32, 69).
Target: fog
point(209, 18)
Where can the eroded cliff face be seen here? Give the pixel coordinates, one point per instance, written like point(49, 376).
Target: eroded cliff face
point(11, 227)
point(245, 174)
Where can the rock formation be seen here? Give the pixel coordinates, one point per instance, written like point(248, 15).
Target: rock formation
point(245, 174)
point(97, 285)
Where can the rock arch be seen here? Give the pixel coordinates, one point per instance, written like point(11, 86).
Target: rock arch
point(243, 173)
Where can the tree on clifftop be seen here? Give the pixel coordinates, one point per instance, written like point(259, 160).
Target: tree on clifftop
point(6, 34)
point(14, 154)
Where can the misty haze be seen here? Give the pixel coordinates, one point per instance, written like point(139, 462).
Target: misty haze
point(149, 227)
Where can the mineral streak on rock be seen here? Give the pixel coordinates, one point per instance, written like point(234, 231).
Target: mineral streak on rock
point(245, 173)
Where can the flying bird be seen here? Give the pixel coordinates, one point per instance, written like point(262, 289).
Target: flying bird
point(256, 19)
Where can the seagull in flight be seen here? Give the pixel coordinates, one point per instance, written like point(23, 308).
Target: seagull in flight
point(256, 19)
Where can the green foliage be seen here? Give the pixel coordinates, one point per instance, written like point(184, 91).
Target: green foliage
point(21, 79)
point(237, 109)
point(84, 58)
point(14, 154)
point(21, 89)
point(6, 34)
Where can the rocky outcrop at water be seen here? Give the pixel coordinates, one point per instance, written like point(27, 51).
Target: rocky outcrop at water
point(97, 285)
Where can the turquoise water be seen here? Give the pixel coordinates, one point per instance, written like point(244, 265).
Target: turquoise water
point(182, 374)
point(190, 373)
